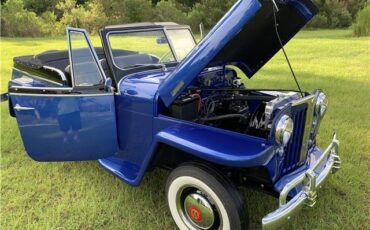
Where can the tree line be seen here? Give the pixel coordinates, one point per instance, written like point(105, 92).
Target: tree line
point(50, 17)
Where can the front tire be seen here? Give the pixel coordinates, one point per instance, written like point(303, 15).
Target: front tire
point(199, 197)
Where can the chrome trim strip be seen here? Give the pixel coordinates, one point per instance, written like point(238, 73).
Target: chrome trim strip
point(310, 101)
point(34, 76)
point(311, 181)
point(61, 73)
point(61, 95)
point(16, 88)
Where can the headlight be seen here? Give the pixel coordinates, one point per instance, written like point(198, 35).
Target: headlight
point(284, 130)
point(321, 104)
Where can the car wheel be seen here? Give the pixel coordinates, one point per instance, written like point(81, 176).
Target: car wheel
point(199, 197)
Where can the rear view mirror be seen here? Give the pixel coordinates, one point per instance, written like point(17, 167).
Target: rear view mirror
point(161, 40)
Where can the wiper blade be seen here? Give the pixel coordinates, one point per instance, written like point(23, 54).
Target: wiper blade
point(154, 66)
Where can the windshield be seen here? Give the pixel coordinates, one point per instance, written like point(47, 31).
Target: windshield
point(182, 41)
point(140, 48)
point(150, 48)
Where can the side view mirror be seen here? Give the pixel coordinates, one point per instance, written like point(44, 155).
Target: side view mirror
point(161, 40)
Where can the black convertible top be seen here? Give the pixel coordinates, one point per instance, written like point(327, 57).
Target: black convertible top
point(54, 58)
point(143, 25)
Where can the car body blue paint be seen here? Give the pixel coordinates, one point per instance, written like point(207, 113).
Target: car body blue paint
point(66, 128)
point(123, 131)
point(212, 144)
point(141, 129)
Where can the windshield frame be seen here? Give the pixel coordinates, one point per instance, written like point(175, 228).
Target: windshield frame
point(133, 31)
point(163, 29)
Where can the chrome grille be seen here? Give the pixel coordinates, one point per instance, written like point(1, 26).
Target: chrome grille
point(297, 148)
point(293, 149)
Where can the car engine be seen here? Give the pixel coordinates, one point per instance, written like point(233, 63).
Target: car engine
point(220, 100)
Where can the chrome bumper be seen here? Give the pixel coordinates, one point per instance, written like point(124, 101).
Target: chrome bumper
point(307, 197)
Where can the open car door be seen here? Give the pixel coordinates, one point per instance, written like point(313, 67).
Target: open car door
point(69, 123)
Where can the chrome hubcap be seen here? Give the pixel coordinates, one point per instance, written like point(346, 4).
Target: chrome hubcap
point(199, 211)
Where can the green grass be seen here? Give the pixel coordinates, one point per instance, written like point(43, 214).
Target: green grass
point(82, 195)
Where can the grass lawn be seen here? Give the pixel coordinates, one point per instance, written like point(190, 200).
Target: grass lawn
point(81, 195)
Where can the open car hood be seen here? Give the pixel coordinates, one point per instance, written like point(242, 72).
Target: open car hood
point(244, 37)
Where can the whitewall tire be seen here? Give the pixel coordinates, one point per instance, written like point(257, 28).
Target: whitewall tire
point(199, 197)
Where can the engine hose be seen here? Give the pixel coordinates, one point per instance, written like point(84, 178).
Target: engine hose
point(221, 117)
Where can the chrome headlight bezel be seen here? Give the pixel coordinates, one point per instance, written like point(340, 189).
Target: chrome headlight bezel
point(321, 104)
point(284, 130)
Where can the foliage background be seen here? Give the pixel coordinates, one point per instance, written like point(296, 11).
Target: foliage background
point(50, 17)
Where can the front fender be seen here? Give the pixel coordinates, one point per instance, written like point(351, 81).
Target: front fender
point(210, 144)
point(215, 145)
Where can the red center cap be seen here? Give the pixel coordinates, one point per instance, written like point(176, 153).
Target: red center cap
point(195, 214)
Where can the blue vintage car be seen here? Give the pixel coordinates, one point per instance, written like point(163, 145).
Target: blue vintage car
point(152, 97)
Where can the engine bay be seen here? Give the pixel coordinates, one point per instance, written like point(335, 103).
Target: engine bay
point(219, 99)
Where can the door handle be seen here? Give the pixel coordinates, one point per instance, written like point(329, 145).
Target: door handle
point(19, 108)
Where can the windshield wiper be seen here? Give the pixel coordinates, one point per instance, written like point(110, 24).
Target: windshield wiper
point(152, 66)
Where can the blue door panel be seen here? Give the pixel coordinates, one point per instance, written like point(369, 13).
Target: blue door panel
point(67, 128)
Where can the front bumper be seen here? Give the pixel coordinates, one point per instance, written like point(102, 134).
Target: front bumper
point(307, 196)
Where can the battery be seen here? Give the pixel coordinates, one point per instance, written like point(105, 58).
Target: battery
point(185, 108)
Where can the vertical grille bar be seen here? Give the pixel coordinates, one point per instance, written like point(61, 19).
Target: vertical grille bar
point(302, 115)
point(294, 147)
point(310, 101)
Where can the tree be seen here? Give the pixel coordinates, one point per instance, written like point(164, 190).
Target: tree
point(362, 24)
point(91, 16)
point(337, 13)
point(208, 12)
point(333, 14)
point(354, 6)
point(49, 24)
point(71, 14)
point(40, 6)
point(139, 10)
point(168, 11)
point(17, 21)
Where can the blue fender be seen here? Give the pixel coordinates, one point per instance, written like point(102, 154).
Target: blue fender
point(220, 147)
point(211, 144)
